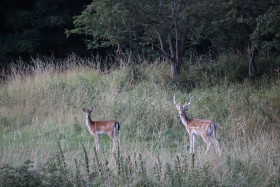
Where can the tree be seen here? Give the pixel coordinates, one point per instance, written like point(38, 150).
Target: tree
point(107, 24)
point(239, 28)
point(178, 26)
point(169, 26)
point(266, 36)
point(174, 27)
point(162, 22)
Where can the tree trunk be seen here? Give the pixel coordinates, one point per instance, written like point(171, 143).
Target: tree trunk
point(176, 63)
point(175, 68)
point(119, 57)
point(176, 48)
point(251, 58)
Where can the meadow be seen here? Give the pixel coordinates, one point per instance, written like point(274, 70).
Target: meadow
point(44, 140)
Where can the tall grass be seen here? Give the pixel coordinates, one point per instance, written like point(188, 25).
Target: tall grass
point(42, 120)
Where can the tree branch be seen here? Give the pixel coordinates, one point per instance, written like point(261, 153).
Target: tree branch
point(171, 46)
point(161, 45)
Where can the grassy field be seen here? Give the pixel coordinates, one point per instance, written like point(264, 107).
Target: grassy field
point(44, 139)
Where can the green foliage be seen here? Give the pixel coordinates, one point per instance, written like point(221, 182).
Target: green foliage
point(172, 175)
point(178, 29)
point(266, 36)
point(21, 176)
point(205, 27)
point(145, 25)
point(105, 23)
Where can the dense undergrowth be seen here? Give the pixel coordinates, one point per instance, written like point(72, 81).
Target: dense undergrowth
point(44, 140)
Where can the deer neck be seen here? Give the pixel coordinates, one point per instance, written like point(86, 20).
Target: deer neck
point(88, 120)
point(184, 119)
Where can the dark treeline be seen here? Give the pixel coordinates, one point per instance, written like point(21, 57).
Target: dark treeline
point(173, 29)
point(37, 27)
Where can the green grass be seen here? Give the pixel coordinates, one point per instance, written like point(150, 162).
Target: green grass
point(44, 107)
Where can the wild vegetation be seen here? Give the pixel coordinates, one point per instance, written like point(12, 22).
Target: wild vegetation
point(225, 53)
point(175, 29)
point(44, 140)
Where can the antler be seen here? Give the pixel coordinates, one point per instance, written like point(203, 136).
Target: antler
point(174, 99)
point(186, 105)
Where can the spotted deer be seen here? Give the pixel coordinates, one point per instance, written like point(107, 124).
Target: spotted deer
point(201, 127)
point(96, 128)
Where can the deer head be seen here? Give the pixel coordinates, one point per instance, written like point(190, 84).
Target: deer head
point(183, 108)
point(88, 111)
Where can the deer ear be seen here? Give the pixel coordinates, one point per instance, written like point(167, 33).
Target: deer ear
point(84, 109)
point(91, 109)
point(186, 108)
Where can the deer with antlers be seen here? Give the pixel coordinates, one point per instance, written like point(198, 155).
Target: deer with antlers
point(111, 128)
point(204, 128)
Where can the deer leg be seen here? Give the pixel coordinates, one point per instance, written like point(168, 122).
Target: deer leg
point(119, 141)
point(208, 142)
point(218, 146)
point(111, 135)
point(117, 136)
point(96, 142)
point(191, 142)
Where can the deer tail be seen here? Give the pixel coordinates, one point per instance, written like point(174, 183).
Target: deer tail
point(117, 128)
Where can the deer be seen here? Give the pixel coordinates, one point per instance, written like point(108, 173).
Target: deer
point(201, 127)
point(96, 128)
